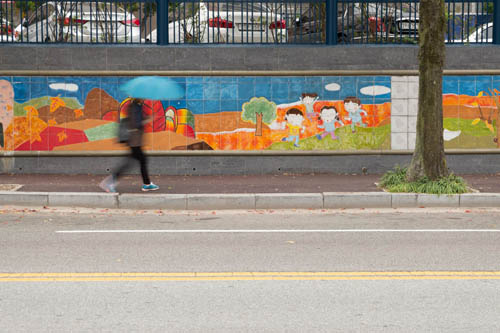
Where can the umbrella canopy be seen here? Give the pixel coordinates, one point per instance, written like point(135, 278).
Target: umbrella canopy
point(152, 87)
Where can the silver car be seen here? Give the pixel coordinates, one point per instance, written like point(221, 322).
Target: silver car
point(227, 22)
point(80, 22)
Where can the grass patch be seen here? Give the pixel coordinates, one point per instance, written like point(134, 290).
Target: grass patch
point(395, 181)
point(40, 102)
point(364, 138)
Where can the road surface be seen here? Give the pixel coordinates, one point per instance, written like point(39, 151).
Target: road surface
point(266, 271)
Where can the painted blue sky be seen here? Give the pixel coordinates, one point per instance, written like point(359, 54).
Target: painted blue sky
point(215, 94)
point(470, 85)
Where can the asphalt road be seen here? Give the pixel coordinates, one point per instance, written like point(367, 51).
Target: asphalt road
point(294, 271)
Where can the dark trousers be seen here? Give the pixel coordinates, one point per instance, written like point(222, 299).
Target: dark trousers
point(136, 154)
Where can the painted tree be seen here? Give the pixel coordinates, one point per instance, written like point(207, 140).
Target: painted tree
point(495, 94)
point(259, 110)
point(428, 158)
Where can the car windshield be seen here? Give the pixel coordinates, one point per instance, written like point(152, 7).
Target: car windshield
point(41, 13)
point(488, 33)
point(92, 7)
point(236, 7)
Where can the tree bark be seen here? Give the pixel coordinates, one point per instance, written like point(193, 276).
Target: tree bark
point(429, 158)
point(258, 124)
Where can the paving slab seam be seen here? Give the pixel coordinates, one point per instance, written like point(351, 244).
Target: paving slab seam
point(211, 201)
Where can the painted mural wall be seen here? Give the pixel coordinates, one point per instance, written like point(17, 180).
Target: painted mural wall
point(242, 113)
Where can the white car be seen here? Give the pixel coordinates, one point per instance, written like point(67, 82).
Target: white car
point(228, 22)
point(7, 33)
point(80, 22)
point(484, 34)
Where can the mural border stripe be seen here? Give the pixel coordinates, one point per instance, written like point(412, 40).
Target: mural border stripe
point(242, 73)
point(238, 153)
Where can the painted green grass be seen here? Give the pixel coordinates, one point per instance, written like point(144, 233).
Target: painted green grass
point(364, 138)
point(102, 132)
point(471, 136)
point(19, 110)
point(395, 181)
point(465, 125)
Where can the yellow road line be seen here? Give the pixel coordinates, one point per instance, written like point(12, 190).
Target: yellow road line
point(247, 276)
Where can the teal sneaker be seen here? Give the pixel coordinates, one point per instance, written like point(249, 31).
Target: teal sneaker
point(150, 187)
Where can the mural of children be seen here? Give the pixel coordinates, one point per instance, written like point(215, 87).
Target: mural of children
point(330, 117)
point(353, 107)
point(308, 99)
point(294, 119)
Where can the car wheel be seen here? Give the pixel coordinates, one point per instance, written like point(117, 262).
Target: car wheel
point(342, 39)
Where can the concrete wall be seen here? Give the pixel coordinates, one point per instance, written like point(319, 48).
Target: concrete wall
point(398, 62)
point(460, 163)
point(232, 58)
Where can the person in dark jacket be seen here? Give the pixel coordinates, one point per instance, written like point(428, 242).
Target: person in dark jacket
point(136, 133)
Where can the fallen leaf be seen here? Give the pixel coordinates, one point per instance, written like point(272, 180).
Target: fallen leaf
point(78, 113)
point(489, 126)
point(62, 136)
point(56, 103)
point(31, 111)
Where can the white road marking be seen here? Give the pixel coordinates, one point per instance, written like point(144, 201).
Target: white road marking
point(271, 231)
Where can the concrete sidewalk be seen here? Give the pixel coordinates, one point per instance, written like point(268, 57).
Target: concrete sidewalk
point(313, 191)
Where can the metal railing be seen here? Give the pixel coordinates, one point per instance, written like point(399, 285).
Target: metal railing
point(240, 22)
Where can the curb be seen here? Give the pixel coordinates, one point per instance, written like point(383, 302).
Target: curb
point(327, 200)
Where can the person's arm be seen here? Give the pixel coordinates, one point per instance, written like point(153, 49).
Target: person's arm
point(147, 120)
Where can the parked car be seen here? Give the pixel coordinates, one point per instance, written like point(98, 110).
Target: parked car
point(7, 33)
point(228, 22)
point(483, 34)
point(309, 27)
point(405, 27)
point(71, 21)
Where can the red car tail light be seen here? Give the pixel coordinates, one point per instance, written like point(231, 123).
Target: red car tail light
point(278, 25)
point(78, 21)
point(135, 22)
point(220, 23)
point(67, 21)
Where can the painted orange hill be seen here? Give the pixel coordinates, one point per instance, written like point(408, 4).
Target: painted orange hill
point(468, 107)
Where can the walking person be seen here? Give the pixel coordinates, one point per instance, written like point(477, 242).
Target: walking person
point(136, 124)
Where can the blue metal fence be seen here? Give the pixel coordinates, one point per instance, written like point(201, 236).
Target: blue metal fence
point(239, 21)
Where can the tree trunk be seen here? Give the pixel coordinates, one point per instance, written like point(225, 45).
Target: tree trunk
point(429, 158)
point(258, 124)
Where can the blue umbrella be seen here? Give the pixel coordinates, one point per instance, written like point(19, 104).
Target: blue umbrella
point(153, 87)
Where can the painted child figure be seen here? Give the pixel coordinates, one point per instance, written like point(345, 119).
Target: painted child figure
point(294, 119)
point(330, 117)
point(353, 107)
point(308, 99)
